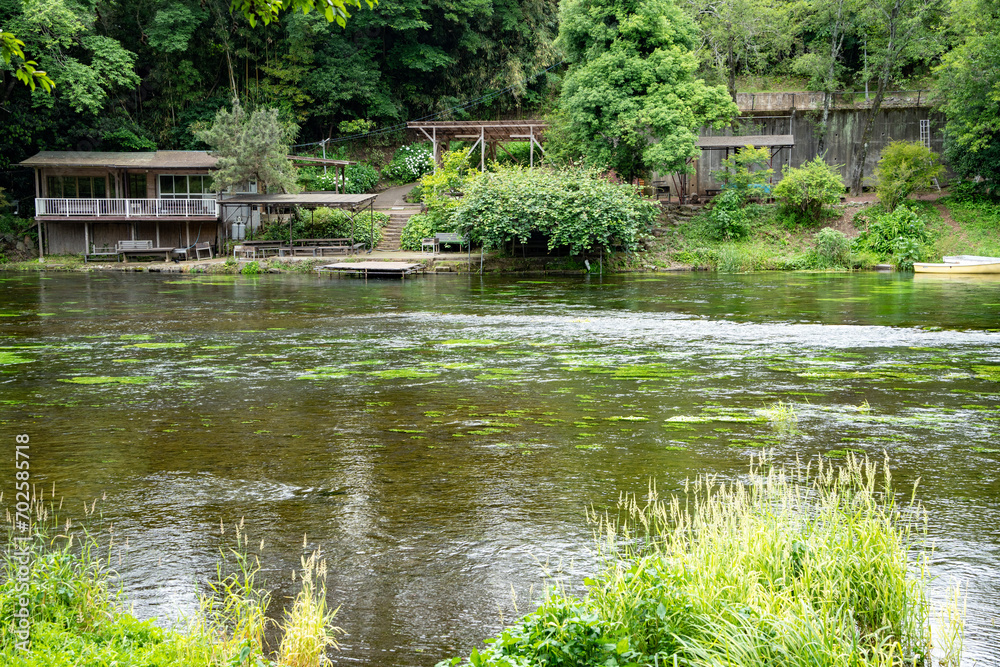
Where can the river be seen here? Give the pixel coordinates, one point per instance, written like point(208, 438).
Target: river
point(440, 437)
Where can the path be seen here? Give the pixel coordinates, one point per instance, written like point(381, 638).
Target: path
point(393, 202)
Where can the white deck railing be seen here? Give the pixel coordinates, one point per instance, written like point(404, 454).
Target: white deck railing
point(127, 208)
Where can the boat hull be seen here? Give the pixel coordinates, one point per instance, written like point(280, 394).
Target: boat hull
point(958, 268)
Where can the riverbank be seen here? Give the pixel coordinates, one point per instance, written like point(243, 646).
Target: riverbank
point(681, 241)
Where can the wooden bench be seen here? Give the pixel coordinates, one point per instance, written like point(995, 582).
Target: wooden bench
point(104, 252)
point(445, 238)
point(142, 248)
point(197, 249)
point(431, 243)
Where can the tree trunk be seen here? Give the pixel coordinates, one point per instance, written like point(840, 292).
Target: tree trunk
point(858, 171)
point(732, 72)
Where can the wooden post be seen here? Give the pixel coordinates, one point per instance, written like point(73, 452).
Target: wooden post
point(157, 233)
point(86, 239)
point(41, 242)
point(187, 233)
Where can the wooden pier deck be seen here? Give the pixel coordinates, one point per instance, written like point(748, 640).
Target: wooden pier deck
point(401, 269)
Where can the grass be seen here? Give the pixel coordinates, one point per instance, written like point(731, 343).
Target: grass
point(78, 616)
point(979, 233)
point(816, 567)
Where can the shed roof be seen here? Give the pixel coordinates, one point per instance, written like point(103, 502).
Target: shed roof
point(305, 199)
point(755, 140)
point(129, 160)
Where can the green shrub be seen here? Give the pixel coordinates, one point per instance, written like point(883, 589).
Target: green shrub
point(358, 179)
point(574, 208)
point(729, 219)
point(806, 190)
point(420, 227)
point(905, 166)
point(251, 269)
point(745, 172)
point(786, 568)
point(833, 248)
point(409, 164)
point(327, 223)
point(901, 235)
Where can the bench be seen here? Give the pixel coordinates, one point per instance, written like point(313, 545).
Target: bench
point(197, 249)
point(105, 251)
point(142, 248)
point(431, 243)
point(445, 238)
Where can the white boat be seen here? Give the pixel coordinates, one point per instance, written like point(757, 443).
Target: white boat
point(960, 264)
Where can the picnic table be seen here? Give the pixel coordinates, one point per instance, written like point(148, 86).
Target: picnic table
point(319, 247)
point(251, 249)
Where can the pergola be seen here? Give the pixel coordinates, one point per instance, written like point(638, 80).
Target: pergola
point(488, 135)
point(336, 164)
point(774, 142)
point(353, 204)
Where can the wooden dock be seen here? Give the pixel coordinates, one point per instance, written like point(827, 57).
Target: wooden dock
point(401, 269)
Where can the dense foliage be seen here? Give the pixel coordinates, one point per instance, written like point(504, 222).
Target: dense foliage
point(409, 163)
point(775, 570)
point(572, 208)
point(904, 167)
point(251, 148)
point(744, 177)
point(901, 236)
point(968, 88)
point(806, 190)
point(326, 223)
point(632, 78)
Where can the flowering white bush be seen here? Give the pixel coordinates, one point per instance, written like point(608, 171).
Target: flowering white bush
point(409, 163)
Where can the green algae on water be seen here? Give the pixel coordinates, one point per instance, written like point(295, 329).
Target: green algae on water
point(104, 379)
point(403, 373)
point(158, 346)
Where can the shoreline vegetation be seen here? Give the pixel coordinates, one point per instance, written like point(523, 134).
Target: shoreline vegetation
point(820, 564)
point(79, 615)
point(808, 566)
point(681, 239)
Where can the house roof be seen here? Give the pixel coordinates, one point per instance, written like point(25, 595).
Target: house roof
point(130, 160)
point(755, 140)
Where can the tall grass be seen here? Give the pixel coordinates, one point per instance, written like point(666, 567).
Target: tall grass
point(816, 567)
point(78, 614)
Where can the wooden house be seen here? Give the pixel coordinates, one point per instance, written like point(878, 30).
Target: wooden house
point(88, 201)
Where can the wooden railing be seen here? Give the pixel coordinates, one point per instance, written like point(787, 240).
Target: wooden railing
point(127, 208)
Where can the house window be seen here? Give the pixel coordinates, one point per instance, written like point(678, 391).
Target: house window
point(77, 187)
point(137, 186)
point(186, 186)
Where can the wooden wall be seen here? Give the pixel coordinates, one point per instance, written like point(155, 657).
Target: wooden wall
point(67, 238)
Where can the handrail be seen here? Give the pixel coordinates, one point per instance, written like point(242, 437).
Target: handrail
point(126, 208)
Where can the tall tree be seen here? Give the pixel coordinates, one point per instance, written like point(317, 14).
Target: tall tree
point(743, 34)
point(251, 148)
point(631, 100)
point(968, 92)
point(898, 31)
point(832, 21)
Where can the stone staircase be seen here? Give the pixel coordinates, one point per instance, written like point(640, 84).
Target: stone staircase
point(398, 217)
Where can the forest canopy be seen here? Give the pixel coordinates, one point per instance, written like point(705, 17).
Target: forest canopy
point(145, 74)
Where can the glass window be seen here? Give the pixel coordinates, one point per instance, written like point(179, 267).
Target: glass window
point(54, 187)
point(137, 186)
point(69, 187)
point(84, 189)
point(100, 188)
point(185, 186)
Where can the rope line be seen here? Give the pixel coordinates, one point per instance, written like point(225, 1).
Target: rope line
point(488, 97)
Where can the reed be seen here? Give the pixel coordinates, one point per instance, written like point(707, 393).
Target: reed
point(78, 611)
point(820, 566)
point(308, 628)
